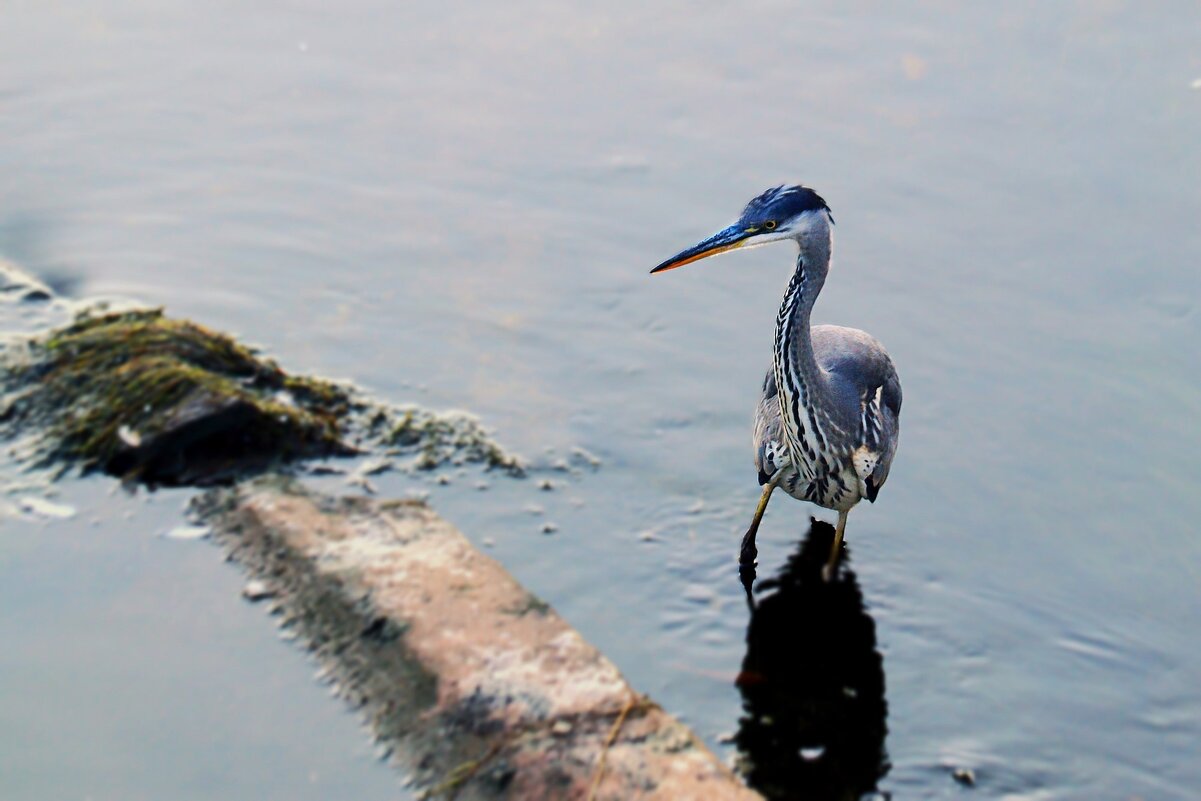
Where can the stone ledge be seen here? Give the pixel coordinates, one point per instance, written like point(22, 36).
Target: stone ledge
point(473, 685)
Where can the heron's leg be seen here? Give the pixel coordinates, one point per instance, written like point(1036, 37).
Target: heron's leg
point(835, 547)
point(746, 557)
point(749, 551)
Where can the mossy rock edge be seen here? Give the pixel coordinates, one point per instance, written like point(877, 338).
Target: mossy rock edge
point(168, 402)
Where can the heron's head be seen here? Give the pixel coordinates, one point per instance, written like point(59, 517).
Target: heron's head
point(786, 212)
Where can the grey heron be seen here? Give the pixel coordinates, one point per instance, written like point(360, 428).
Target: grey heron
point(828, 417)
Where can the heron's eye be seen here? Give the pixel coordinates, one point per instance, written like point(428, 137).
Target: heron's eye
point(770, 225)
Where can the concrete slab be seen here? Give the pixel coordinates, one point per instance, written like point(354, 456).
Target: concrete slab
point(475, 686)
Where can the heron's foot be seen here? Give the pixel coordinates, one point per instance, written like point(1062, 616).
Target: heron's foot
point(749, 553)
point(748, 556)
point(746, 575)
point(747, 562)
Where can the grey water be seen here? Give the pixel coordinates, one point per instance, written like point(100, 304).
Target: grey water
point(458, 205)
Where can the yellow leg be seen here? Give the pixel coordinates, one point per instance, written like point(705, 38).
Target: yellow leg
point(835, 547)
point(749, 551)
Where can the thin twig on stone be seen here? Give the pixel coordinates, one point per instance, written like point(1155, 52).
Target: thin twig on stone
point(599, 774)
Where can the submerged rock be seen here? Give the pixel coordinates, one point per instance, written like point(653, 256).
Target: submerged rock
point(437, 438)
point(188, 532)
point(40, 507)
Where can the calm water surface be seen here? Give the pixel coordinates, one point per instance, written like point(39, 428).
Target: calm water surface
point(458, 205)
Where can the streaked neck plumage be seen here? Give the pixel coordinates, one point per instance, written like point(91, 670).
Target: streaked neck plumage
point(801, 382)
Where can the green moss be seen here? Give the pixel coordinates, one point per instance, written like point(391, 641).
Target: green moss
point(139, 394)
point(439, 438)
point(166, 401)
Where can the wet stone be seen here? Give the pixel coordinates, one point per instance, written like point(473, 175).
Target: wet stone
point(479, 688)
point(256, 590)
point(40, 507)
point(163, 401)
point(167, 402)
point(187, 533)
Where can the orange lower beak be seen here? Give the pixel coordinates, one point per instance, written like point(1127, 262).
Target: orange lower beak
point(725, 240)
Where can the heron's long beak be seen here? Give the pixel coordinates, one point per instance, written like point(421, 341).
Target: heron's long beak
point(727, 239)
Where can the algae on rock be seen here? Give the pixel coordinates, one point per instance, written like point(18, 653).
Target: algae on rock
point(164, 401)
point(168, 402)
point(438, 438)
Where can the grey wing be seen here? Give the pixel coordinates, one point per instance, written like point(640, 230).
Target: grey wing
point(769, 447)
point(868, 391)
point(888, 416)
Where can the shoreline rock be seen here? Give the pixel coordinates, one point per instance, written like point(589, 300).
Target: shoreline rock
point(162, 401)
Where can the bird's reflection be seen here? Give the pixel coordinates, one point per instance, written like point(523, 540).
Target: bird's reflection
point(812, 683)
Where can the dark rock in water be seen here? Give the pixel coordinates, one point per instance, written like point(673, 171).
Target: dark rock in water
point(167, 402)
point(207, 436)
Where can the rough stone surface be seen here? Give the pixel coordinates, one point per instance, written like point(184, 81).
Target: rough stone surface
point(473, 685)
point(164, 401)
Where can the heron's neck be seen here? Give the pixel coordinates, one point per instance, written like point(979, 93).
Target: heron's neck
point(801, 382)
point(794, 344)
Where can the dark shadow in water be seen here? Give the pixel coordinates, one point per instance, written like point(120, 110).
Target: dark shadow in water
point(812, 683)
